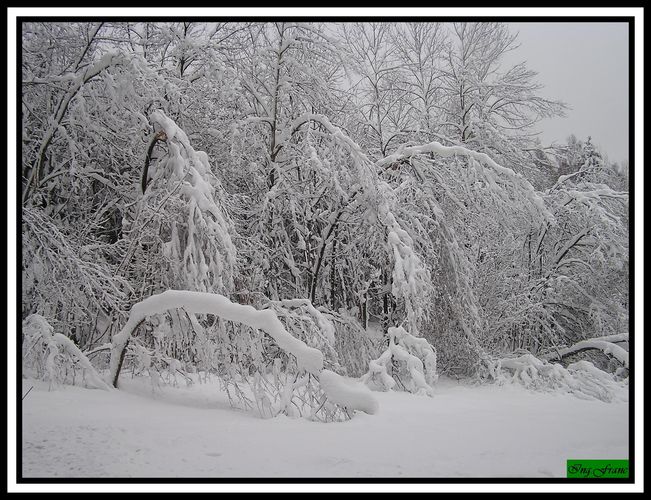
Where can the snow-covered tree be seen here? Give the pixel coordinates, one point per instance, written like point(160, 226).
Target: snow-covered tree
point(341, 178)
point(489, 107)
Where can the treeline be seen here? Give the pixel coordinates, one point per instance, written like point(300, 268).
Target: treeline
point(386, 172)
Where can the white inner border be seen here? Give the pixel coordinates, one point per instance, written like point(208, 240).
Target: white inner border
point(13, 13)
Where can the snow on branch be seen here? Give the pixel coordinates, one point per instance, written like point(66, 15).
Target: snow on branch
point(307, 357)
point(78, 81)
point(408, 270)
point(197, 167)
point(347, 394)
point(615, 338)
point(596, 194)
point(446, 151)
point(209, 258)
point(327, 328)
point(601, 344)
point(409, 274)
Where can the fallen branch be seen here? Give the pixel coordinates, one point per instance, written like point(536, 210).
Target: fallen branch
point(605, 344)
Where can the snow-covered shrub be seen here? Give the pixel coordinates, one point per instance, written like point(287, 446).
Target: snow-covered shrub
point(54, 357)
point(581, 379)
point(409, 363)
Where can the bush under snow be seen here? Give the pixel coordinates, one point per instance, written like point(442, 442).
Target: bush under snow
point(408, 363)
point(54, 357)
point(581, 379)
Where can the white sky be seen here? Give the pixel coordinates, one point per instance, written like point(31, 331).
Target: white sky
point(586, 66)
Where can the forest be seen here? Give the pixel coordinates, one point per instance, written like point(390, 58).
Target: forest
point(311, 214)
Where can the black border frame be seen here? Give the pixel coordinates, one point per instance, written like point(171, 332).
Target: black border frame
point(341, 480)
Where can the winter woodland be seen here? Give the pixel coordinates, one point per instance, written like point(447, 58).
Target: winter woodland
point(311, 215)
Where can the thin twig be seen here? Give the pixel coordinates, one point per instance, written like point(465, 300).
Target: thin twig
point(30, 390)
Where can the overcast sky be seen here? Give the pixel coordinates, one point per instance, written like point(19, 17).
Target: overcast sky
point(586, 66)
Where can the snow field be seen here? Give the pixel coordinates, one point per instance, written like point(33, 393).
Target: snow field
point(463, 431)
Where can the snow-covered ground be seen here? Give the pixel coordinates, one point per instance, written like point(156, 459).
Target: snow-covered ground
point(463, 431)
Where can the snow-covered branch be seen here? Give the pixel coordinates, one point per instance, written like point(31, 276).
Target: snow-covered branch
point(606, 345)
point(308, 358)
